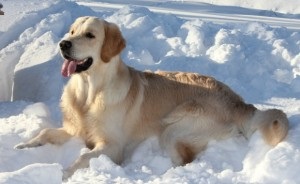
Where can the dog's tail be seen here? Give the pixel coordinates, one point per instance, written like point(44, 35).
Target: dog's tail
point(273, 125)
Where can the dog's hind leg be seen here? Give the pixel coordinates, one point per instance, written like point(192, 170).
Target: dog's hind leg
point(187, 132)
point(181, 143)
point(49, 135)
point(189, 128)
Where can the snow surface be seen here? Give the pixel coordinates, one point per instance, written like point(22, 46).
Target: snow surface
point(253, 46)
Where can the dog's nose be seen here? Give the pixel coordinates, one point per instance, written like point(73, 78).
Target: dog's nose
point(65, 45)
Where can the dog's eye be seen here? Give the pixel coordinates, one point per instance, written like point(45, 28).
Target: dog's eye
point(89, 35)
point(72, 32)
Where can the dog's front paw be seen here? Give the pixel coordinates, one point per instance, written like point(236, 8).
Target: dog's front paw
point(27, 145)
point(20, 146)
point(67, 174)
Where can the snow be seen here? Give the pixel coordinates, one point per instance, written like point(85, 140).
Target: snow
point(253, 46)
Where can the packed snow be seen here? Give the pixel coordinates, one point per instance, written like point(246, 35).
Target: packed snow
point(252, 46)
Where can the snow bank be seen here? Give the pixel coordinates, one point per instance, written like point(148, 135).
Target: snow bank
point(241, 55)
point(260, 62)
point(282, 6)
point(32, 174)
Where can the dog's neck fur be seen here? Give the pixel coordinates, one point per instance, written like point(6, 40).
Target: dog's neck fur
point(118, 81)
point(114, 87)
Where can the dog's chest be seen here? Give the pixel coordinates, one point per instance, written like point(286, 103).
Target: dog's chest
point(105, 123)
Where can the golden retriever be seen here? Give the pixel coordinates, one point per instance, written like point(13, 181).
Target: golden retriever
point(113, 107)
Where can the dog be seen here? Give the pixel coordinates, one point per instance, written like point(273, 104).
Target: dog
point(114, 107)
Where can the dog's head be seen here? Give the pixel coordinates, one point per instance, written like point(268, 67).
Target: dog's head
point(90, 40)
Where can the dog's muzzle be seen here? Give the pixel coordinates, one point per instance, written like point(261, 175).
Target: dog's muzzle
point(72, 65)
point(65, 45)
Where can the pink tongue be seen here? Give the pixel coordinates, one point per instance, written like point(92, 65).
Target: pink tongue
point(68, 68)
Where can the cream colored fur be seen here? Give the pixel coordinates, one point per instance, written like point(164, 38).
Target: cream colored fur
point(113, 107)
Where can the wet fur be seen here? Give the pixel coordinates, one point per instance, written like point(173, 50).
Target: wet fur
point(113, 107)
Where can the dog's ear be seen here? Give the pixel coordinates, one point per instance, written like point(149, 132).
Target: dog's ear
point(113, 43)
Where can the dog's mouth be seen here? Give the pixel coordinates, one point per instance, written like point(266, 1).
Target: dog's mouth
point(71, 66)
